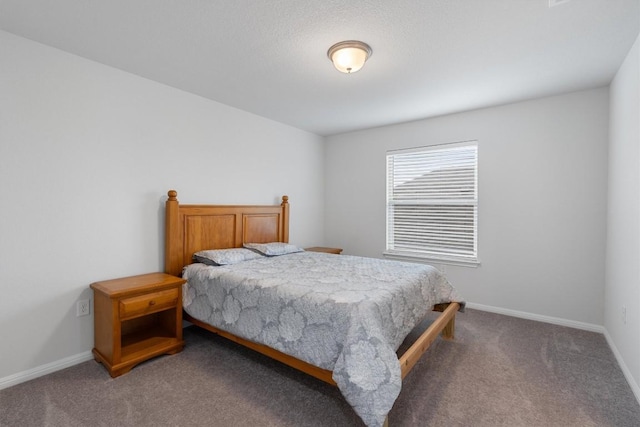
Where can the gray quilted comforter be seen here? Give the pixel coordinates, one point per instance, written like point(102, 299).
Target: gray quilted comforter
point(341, 313)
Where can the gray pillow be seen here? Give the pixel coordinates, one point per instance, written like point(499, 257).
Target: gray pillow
point(273, 248)
point(225, 256)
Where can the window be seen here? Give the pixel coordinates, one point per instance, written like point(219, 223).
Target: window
point(432, 203)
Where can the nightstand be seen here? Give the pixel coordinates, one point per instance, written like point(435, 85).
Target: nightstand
point(336, 251)
point(136, 318)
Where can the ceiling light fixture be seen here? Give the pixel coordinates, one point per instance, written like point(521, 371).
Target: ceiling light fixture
point(349, 56)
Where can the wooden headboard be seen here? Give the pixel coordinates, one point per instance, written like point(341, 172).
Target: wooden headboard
point(192, 228)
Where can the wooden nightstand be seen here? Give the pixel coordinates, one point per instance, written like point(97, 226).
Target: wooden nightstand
point(136, 318)
point(336, 251)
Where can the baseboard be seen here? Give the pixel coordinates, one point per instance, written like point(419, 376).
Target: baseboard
point(538, 317)
point(623, 366)
point(39, 371)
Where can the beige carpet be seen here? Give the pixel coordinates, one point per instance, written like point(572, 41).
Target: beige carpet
point(500, 371)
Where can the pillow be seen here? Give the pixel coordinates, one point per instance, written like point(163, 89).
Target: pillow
point(225, 256)
point(273, 248)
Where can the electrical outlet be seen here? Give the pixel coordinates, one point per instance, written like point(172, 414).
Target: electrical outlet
point(83, 307)
point(624, 314)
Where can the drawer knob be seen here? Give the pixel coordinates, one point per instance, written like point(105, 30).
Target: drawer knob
point(152, 302)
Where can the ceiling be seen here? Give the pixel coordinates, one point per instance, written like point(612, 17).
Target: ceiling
point(430, 57)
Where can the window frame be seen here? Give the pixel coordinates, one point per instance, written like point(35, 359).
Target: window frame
point(428, 254)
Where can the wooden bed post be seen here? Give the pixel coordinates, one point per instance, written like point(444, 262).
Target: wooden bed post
point(173, 236)
point(285, 219)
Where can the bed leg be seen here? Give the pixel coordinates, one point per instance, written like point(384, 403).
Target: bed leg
point(448, 332)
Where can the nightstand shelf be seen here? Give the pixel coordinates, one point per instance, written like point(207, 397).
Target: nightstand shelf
point(137, 318)
point(141, 343)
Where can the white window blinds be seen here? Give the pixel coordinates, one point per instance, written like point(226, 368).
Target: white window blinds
point(432, 202)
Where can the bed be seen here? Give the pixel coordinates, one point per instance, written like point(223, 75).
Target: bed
point(289, 298)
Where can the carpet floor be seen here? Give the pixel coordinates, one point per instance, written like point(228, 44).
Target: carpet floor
point(499, 371)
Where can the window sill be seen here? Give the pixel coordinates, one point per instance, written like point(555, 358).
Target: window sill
point(409, 256)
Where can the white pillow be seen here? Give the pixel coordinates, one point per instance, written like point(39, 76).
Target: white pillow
point(273, 248)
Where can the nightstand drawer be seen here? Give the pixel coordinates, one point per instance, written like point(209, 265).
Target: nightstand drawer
point(148, 303)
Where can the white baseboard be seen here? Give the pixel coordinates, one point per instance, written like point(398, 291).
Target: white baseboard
point(48, 368)
point(623, 366)
point(538, 317)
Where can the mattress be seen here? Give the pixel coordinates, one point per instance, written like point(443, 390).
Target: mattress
point(342, 313)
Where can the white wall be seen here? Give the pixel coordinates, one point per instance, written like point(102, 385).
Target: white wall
point(87, 154)
point(623, 239)
point(542, 200)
